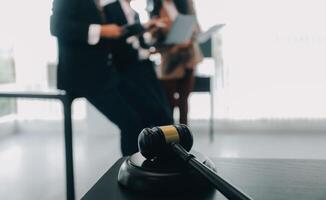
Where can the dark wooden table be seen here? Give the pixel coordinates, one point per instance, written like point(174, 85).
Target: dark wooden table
point(262, 179)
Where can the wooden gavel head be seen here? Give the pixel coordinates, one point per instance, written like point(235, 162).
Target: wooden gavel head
point(155, 142)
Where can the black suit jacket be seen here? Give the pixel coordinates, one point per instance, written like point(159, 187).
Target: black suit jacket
point(123, 54)
point(156, 5)
point(82, 68)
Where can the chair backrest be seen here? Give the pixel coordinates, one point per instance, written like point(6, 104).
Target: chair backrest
point(206, 48)
point(202, 84)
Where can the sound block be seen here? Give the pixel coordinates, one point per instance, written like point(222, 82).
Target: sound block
point(162, 176)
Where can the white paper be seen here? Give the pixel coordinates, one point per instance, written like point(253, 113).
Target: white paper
point(203, 37)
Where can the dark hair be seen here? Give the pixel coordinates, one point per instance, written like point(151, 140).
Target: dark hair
point(154, 7)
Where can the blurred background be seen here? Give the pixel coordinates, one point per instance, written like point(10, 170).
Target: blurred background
point(268, 78)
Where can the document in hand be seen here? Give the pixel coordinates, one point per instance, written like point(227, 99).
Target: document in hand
point(134, 29)
point(203, 37)
point(182, 29)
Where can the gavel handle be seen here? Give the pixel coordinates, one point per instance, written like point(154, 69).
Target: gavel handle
point(228, 190)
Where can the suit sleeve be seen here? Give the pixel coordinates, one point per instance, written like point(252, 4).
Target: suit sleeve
point(64, 23)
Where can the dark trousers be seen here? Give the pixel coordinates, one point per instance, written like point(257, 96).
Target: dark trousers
point(146, 93)
point(134, 102)
point(183, 88)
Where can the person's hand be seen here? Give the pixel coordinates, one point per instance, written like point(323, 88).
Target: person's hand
point(111, 31)
point(154, 26)
point(178, 47)
point(155, 23)
point(168, 24)
point(185, 45)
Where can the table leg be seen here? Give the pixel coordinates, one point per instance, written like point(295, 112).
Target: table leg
point(211, 124)
point(70, 187)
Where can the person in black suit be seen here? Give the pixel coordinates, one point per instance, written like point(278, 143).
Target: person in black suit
point(131, 59)
point(84, 69)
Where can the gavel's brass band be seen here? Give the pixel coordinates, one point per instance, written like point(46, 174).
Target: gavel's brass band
point(170, 134)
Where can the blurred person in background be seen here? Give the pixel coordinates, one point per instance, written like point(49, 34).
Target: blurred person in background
point(85, 70)
point(178, 62)
point(130, 56)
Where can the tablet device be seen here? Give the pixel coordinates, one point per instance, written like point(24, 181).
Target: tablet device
point(181, 30)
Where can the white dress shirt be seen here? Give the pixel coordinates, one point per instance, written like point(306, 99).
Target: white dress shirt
point(94, 31)
point(129, 12)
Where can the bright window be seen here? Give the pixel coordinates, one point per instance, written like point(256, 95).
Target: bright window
point(273, 55)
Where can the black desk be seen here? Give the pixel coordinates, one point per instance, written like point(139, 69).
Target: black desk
point(262, 179)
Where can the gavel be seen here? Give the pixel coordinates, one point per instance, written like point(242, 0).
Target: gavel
point(177, 140)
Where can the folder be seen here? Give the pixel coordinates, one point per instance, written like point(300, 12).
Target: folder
point(205, 36)
point(182, 29)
